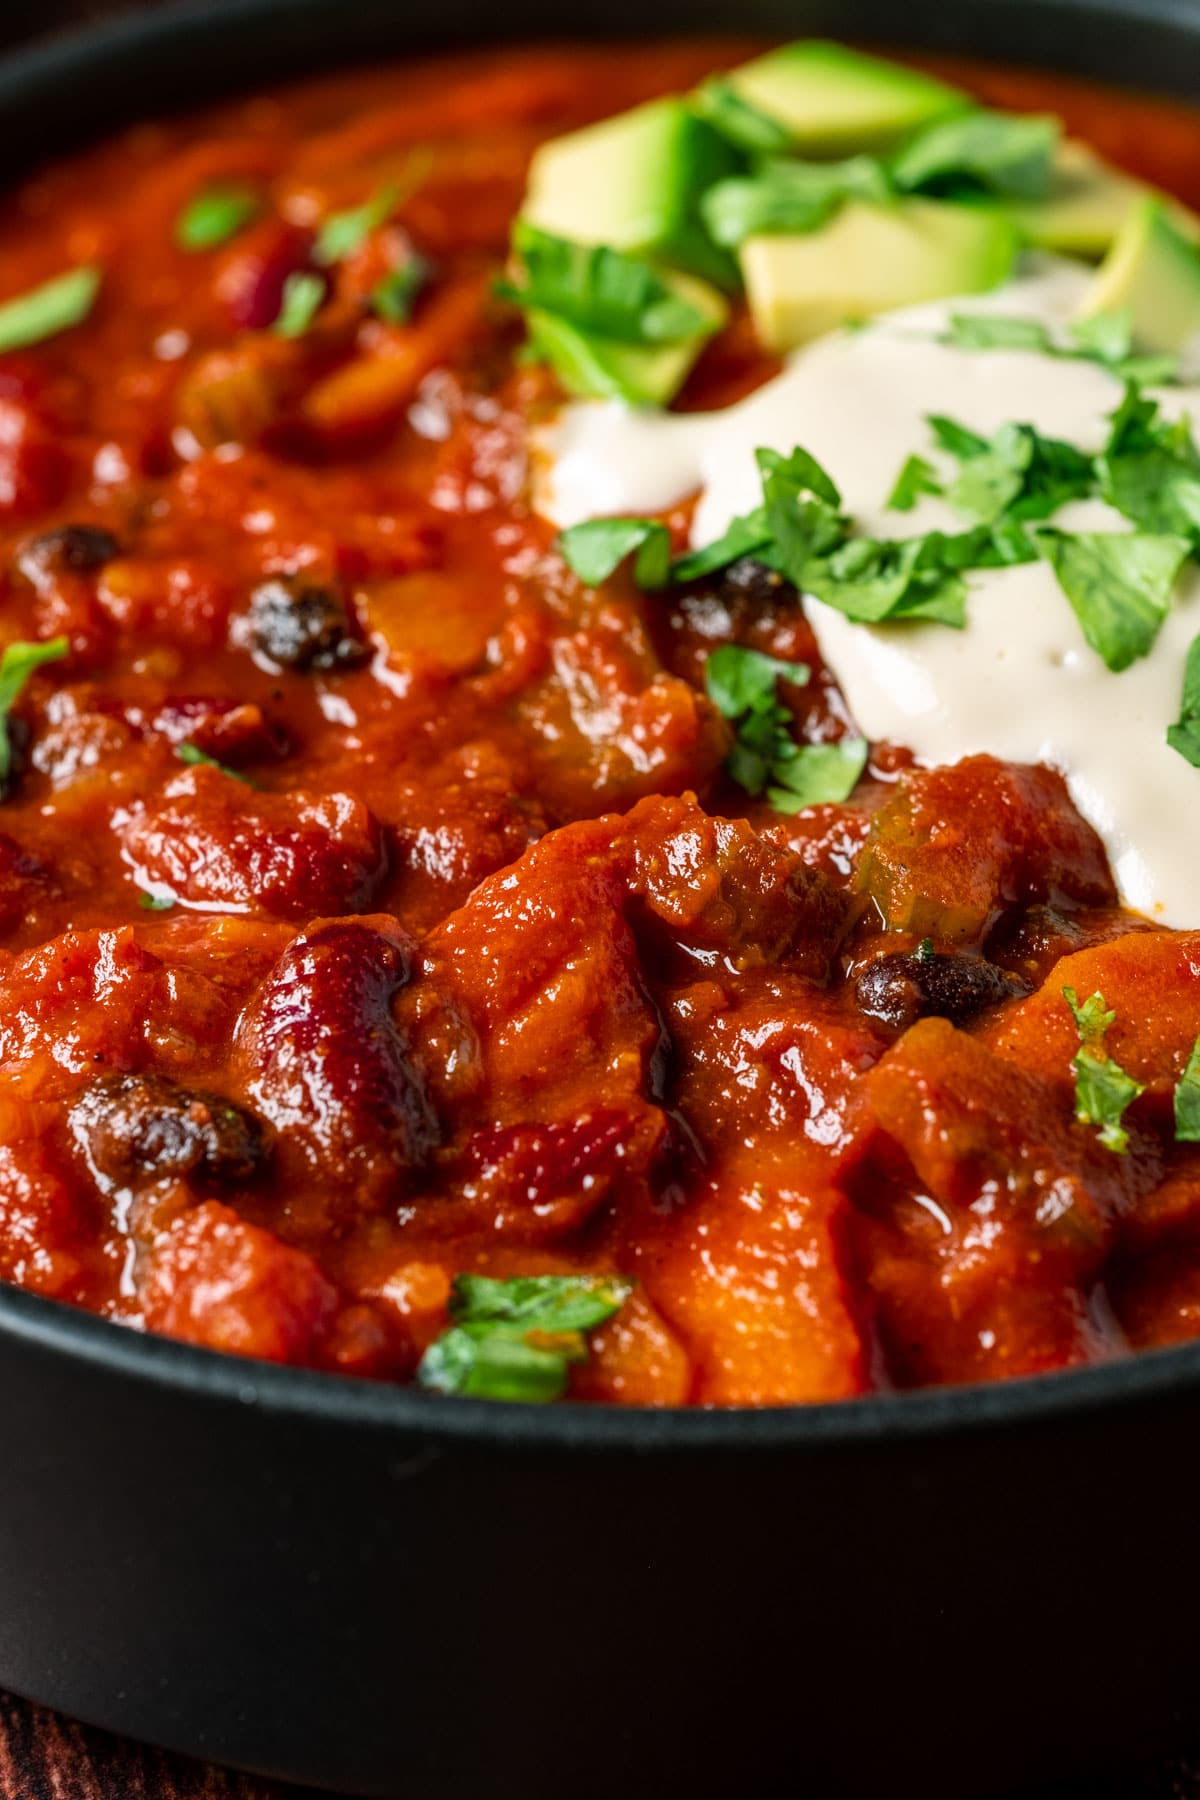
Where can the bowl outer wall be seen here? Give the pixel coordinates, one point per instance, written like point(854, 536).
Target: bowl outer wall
point(382, 1592)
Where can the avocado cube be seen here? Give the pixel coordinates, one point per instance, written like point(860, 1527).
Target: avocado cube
point(600, 368)
point(634, 182)
point(869, 258)
point(1087, 205)
point(1152, 273)
point(834, 101)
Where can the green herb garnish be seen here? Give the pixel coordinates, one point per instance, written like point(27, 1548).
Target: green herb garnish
point(742, 684)
point(45, 311)
point(917, 477)
point(516, 1339)
point(616, 296)
point(1184, 735)
point(342, 233)
point(16, 666)
point(1001, 153)
point(1187, 1100)
point(393, 298)
point(195, 757)
point(595, 549)
point(215, 215)
point(155, 902)
point(1103, 1090)
point(737, 121)
point(788, 196)
point(303, 294)
point(1119, 584)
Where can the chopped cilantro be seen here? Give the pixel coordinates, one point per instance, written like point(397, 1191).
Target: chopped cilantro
point(606, 292)
point(1103, 1090)
point(515, 1339)
point(1119, 585)
point(156, 902)
point(1001, 153)
point(595, 549)
point(215, 215)
point(994, 331)
point(742, 685)
point(393, 298)
point(925, 950)
point(917, 477)
point(817, 774)
point(345, 232)
point(1187, 1100)
point(737, 121)
point(47, 310)
point(303, 293)
point(738, 679)
point(16, 666)
point(788, 197)
point(1184, 735)
point(195, 757)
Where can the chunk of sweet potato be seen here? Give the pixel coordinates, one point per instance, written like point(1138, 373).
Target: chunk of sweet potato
point(955, 847)
point(216, 1280)
point(984, 1210)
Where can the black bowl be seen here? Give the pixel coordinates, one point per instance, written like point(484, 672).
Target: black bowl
point(369, 1589)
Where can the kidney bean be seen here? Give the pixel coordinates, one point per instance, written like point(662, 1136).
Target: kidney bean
point(327, 1067)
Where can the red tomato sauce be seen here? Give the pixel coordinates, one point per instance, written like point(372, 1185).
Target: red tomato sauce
point(484, 964)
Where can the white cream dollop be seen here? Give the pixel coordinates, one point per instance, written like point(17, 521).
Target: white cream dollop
point(1021, 681)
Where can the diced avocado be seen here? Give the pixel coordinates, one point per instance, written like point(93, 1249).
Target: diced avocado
point(1152, 273)
point(602, 369)
point(1086, 207)
point(834, 101)
point(634, 182)
point(868, 259)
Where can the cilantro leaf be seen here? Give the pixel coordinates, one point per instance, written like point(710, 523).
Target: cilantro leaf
point(215, 215)
point(1150, 468)
point(1119, 585)
point(1106, 336)
point(1002, 153)
point(994, 331)
point(342, 233)
point(1103, 1090)
point(599, 290)
point(742, 684)
point(955, 438)
point(788, 196)
point(515, 1339)
point(155, 902)
point(393, 298)
point(303, 294)
point(595, 549)
point(917, 477)
point(195, 757)
point(16, 666)
point(1184, 735)
point(737, 121)
point(46, 311)
point(817, 774)
point(743, 536)
point(737, 678)
point(1187, 1100)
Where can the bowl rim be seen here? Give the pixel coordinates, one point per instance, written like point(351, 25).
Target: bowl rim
point(56, 1330)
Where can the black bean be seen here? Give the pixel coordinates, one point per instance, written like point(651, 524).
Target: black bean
point(136, 1128)
point(748, 579)
point(74, 549)
point(911, 985)
point(301, 627)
